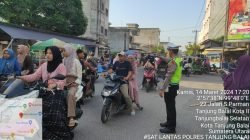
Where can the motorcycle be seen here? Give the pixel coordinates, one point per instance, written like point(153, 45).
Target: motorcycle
point(112, 96)
point(214, 68)
point(18, 90)
point(89, 84)
point(187, 69)
point(148, 78)
point(78, 96)
point(21, 90)
point(206, 69)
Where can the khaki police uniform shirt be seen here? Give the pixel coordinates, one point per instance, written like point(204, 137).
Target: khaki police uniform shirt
point(170, 71)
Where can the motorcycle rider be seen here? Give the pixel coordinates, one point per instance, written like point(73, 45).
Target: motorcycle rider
point(123, 68)
point(9, 63)
point(85, 66)
point(169, 89)
point(54, 105)
point(150, 64)
point(73, 79)
point(25, 60)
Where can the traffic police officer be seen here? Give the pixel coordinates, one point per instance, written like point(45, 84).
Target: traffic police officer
point(169, 89)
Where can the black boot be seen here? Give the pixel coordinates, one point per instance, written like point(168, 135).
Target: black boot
point(167, 131)
point(165, 124)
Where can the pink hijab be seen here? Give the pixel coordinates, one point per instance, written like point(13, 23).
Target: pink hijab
point(22, 53)
point(68, 61)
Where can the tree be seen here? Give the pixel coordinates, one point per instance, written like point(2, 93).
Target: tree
point(219, 40)
point(192, 49)
point(64, 16)
point(158, 49)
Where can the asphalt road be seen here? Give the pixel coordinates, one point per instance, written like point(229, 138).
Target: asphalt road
point(146, 122)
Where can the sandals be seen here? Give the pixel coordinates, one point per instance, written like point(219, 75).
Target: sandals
point(139, 107)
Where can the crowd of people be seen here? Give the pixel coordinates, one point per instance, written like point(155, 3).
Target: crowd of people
point(76, 65)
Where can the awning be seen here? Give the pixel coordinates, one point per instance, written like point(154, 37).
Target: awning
point(17, 32)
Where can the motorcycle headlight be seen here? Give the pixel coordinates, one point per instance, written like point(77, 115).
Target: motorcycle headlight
point(106, 93)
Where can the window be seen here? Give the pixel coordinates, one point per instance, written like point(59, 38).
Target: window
point(102, 29)
point(107, 12)
point(106, 32)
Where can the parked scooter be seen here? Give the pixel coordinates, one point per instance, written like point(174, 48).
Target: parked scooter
point(148, 78)
point(112, 96)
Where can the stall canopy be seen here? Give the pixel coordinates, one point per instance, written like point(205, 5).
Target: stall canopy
point(17, 32)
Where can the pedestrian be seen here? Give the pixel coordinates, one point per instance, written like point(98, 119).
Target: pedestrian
point(133, 86)
point(24, 60)
point(236, 82)
point(169, 89)
point(73, 80)
point(9, 64)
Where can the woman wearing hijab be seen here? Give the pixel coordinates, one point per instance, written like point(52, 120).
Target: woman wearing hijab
point(237, 83)
point(133, 87)
point(54, 105)
point(9, 64)
point(24, 60)
point(74, 78)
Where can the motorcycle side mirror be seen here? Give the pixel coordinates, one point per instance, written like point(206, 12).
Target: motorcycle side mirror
point(59, 77)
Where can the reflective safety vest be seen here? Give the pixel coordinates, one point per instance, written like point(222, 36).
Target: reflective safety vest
point(176, 77)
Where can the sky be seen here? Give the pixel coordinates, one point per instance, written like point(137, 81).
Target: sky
point(176, 18)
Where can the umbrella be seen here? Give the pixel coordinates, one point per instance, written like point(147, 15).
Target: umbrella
point(41, 45)
point(130, 52)
point(78, 46)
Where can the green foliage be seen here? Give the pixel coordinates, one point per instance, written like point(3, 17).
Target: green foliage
point(219, 39)
point(158, 49)
point(64, 16)
point(192, 49)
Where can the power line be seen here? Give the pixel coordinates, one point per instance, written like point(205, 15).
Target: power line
point(203, 5)
point(214, 28)
point(214, 33)
point(217, 23)
point(177, 29)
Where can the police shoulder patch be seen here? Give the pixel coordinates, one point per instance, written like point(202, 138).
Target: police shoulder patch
point(172, 62)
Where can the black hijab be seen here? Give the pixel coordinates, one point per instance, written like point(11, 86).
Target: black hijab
point(57, 58)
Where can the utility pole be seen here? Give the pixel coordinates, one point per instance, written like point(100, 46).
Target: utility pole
point(125, 41)
point(225, 33)
point(195, 39)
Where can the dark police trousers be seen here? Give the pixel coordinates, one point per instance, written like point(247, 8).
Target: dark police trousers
point(169, 98)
